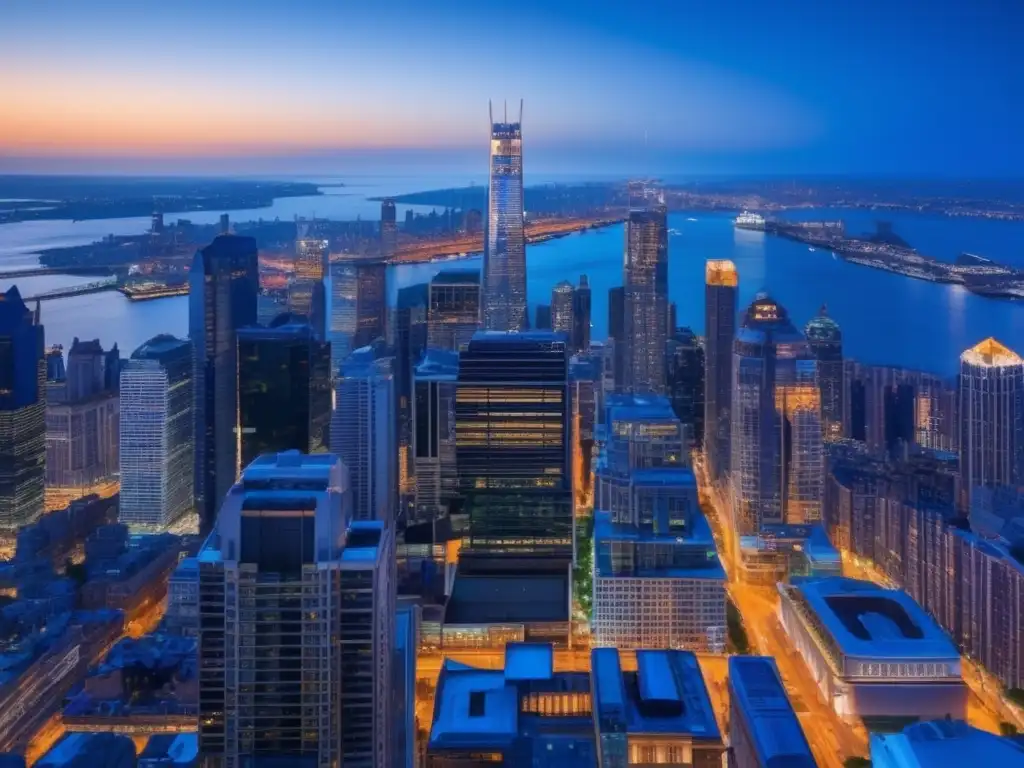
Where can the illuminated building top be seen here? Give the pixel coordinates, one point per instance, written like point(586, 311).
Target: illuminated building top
point(991, 353)
point(823, 328)
point(721, 272)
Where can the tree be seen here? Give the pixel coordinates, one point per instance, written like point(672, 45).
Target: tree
point(737, 634)
point(1007, 729)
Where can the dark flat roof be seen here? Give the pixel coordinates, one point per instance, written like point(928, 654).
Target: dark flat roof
point(505, 599)
point(759, 695)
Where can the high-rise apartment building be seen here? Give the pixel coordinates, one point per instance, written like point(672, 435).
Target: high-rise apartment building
point(685, 374)
point(363, 433)
point(720, 281)
point(433, 447)
point(307, 296)
point(777, 445)
point(504, 275)
point(284, 390)
point(825, 340)
point(223, 284)
point(454, 314)
point(296, 619)
point(157, 446)
point(991, 416)
point(581, 301)
point(514, 443)
point(388, 228)
point(645, 283)
point(22, 414)
point(561, 309)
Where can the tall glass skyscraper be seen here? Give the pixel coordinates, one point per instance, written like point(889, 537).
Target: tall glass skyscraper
point(157, 447)
point(991, 416)
point(224, 282)
point(284, 390)
point(777, 445)
point(581, 301)
point(720, 281)
point(306, 294)
point(388, 228)
point(562, 309)
point(454, 314)
point(513, 417)
point(826, 342)
point(22, 414)
point(645, 282)
point(504, 276)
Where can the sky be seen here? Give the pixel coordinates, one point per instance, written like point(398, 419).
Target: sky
point(897, 87)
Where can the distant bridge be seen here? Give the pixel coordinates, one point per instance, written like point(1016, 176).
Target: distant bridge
point(14, 274)
point(106, 284)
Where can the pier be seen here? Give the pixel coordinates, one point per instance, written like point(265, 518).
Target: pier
point(106, 284)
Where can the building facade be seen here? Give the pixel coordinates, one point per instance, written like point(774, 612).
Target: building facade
point(645, 283)
point(223, 285)
point(388, 228)
point(157, 444)
point(307, 296)
point(503, 284)
point(581, 314)
point(685, 373)
point(433, 416)
point(825, 340)
point(454, 310)
point(562, 308)
point(720, 285)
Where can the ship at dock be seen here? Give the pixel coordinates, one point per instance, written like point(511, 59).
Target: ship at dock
point(748, 220)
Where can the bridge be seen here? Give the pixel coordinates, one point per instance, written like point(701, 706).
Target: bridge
point(14, 274)
point(106, 284)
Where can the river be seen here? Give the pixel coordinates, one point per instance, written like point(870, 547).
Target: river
point(886, 318)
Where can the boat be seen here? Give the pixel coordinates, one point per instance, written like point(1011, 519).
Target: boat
point(691, 219)
point(811, 248)
point(748, 220)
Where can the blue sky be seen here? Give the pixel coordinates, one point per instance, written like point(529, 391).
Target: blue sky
point(901, 87)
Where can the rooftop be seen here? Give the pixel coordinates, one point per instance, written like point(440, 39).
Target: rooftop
point(666, 695)
point(500, 599)
point(159, 345)
point(639, 408)
point(438, 365)
point(869, 621)
point(457, 277)
point(942, 743)
point(991, 353)
point(721, 272)
point(759, 694)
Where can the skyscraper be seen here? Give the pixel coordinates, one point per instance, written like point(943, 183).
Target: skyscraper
point(284, 389)
point(685, 361)
point(371, 302)
point(826, 342)
point(224, 282)
point(514, 443)
point(645, 282)
point(283, 573)
point(777, 445)
point(720, 280)
point(617, 334)
point(542, 318)
point(454, 314)
point(344, 294)
point(561, 309)
point(410, 342)
point(307, 294)
point(581, 300)
point(434, 390)
point(22, 413)
point(157, 447)
point(388, 228)
point(363, 433)
point(504, 275)
point(991, 416)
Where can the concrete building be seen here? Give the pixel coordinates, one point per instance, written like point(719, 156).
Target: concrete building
point(942, 743)
point(453, 315)
point(157, 452)
point(874, 653)
point(363, 434)
point(283, 571)
point(764, 731)
point(720, 286)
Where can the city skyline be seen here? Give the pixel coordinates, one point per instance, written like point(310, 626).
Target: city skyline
point(115, 91)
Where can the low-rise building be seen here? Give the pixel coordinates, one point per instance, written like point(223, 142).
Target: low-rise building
point(874, 653)
point(942, 743)
point(90, 750)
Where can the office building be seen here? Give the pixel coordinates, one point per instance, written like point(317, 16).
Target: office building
point(307, 296)
point(284, 389)
point(542, 318)
point(685, 374)
point(764, 731)
point(875, 654)
point(454, 313)
point(157, 445)
point(652, 545)
point(223, 284)
point(284, 571)
point(22, 414)
point(371, 302)
point(645, 283)
point(991, 416)
point(388, 228)
point(562, 309)
point(942, 743)
point(514, 443)
point(617, 335)
point(660, 714)
point(776, 444)
point(344, 293)
point(363, 433)
point(411, 328)
point(720, 281)
point(581, 302)
point(82, 423)
point(503, 282)
point(825, 340)
point(404, 752)
point(433, 416)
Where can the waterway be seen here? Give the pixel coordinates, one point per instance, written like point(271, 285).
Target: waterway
point(886, 318)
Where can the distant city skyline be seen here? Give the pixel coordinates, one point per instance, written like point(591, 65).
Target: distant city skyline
point(194, 87)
